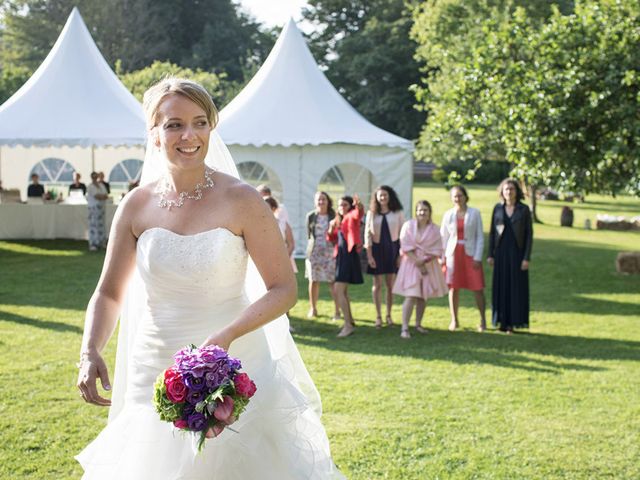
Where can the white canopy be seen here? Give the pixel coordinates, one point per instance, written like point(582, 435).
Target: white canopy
point(291, 129)
point(73, 99)
point(290, 102)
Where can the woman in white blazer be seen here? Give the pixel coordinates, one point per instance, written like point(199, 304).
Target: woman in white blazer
point(463, 240)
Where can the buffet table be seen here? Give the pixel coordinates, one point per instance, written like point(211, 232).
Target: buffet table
point(47, 221)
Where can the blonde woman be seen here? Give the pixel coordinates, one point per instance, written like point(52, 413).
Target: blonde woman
point(189, 232)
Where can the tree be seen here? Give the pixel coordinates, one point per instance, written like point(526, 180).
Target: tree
point(11, 79)
point(366, 49)
point(556, 97)
point(213, 35)
point(221, 90)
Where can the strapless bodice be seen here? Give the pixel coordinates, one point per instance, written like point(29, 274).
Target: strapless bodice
point(191, 271)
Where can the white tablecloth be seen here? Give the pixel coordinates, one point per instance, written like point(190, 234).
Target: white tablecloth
point(47, 221)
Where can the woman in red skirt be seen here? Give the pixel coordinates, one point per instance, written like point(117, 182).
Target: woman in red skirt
point(462, 236)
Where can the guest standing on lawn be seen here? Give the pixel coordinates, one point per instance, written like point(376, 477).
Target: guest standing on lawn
point(419, 276)
point(285, 230)
point(463, 239)
point(344, 233)
point(382, 241)
point(96, 199)
point(510, 241)
point(320, 265)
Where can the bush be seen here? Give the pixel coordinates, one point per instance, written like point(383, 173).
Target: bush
point(489, 172)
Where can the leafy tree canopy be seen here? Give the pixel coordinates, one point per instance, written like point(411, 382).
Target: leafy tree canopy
point(557, 96)
point(366, 49)
point(139, 81)
point(212, 35)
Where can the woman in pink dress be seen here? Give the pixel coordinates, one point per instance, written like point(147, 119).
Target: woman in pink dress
point(463, 240)
point(419, 276)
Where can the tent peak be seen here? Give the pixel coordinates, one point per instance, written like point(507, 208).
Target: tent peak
point(289, 101)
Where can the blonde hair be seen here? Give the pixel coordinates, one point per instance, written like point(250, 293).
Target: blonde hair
point(191, 90)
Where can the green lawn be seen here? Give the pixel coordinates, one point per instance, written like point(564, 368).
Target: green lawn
point(561, 401)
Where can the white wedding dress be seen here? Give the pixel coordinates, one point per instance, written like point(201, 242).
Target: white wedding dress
point(194, 286)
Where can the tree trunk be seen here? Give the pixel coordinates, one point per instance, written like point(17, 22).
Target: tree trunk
point(532, 190)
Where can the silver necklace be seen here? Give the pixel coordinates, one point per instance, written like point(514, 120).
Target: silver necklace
point(164, 187)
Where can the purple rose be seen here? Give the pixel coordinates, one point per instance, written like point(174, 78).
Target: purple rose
point(197, 422)
point(188, 410)
point(194, 397)
point(194, 383)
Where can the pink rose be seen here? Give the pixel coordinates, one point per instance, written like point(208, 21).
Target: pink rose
point(180, 423)
point(244, 385)
point(176, 389)
point(224, 410)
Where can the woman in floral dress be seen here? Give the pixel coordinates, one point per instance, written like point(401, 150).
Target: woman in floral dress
point(320, 265)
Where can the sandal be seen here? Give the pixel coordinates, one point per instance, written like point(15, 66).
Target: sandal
point(453, 326)
point(405, 334)
point(421, 329)
point(378, 323)
point(346, 331)
point(389, 321)
point(312, 313)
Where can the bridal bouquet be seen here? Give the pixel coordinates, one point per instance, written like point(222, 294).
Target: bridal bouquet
point(202, 390)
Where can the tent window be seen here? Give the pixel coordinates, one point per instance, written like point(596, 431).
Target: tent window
point(347, 179)
point(127, 171)
point(255, 173)
point(53, 170)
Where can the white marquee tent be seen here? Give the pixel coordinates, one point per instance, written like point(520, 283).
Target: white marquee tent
point(73, 103)
point(291, 129)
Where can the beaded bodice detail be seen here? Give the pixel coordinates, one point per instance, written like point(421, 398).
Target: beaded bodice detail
point(191, 270)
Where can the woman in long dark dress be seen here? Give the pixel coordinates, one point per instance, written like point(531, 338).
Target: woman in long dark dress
point(510, 241)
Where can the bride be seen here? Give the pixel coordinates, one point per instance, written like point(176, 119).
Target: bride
point(195, 256)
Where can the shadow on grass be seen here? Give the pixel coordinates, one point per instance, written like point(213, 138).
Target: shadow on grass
point(519, 351)
point(34, 322)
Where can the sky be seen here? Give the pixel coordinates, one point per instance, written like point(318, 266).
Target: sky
point(274, 12)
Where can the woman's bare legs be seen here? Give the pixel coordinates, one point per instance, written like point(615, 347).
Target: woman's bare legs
point(376, 294)
point(421, 304)
point(332, 291)
point(480, 302)
point(454, 302)
point(389, 279)
point(314, 293)
point(407, 310)
point(342, 298)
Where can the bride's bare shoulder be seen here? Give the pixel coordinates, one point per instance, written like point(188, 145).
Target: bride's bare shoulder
point(237, 191)
point(134, 202)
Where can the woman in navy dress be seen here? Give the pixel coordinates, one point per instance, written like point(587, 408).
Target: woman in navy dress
point(382, 241)
point(344, 233)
